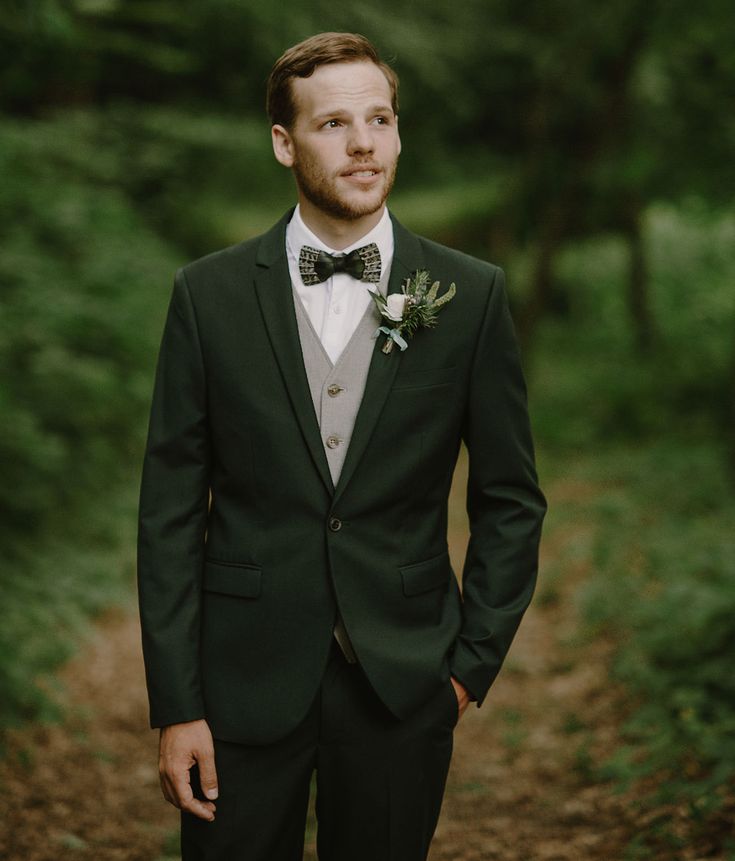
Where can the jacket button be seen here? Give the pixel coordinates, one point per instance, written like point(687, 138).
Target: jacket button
point(333, 441)
point(334, 390)
point(335, 524)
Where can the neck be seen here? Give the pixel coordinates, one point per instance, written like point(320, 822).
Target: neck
point(336, 232)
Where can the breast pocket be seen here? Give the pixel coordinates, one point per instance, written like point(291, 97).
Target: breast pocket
point(424, 378)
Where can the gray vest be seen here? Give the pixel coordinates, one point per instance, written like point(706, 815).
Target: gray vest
point(337, 390)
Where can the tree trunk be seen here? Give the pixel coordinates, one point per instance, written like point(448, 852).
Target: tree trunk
point(731, 417)
point(542, 285)
point(639, 301)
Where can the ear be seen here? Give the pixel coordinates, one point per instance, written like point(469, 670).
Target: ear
point(398, 136)
point(283, 147)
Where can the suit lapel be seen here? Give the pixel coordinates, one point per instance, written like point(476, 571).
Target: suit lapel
point(273, 287)
point(407, 258)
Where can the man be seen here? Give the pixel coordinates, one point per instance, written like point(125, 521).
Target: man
point(298, 607)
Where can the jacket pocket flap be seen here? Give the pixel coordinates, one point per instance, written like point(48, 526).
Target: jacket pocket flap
point(425, 576)
point(232, 578)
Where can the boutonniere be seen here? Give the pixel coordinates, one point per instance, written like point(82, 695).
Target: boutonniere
point(415, 307)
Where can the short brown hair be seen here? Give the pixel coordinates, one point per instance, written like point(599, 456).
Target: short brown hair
point(302, 60)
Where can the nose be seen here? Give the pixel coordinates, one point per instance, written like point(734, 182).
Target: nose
point(360, 139)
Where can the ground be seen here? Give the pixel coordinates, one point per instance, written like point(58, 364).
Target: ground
point(520, 786)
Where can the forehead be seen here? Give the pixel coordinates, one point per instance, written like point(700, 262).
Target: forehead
point(341, 86)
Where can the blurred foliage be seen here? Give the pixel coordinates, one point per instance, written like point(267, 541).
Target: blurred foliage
point(76, 568)
point(83, 284)
point(591, 387)
point(641, 440)
point(586, 148)
point(574, 104)
point(79, 325)
point(663, 556)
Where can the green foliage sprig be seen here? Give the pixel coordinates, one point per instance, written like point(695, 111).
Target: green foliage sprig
point(415, 307)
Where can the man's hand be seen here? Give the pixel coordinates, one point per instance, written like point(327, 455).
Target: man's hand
point(181, 746)
point(463, 698)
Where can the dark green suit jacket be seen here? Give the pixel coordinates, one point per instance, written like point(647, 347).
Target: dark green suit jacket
point(238, 591)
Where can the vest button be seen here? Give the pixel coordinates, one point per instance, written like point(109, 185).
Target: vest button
point(335, 524)
point(334, 390)
point(333, 441)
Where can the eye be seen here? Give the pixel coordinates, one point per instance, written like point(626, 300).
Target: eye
point(331, 124)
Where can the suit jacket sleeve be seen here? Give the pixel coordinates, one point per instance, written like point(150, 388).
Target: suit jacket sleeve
point(174, 501)
point(504, 504)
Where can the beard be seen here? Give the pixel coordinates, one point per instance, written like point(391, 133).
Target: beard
point(321, 190)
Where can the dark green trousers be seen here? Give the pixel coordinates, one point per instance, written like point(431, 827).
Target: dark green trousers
point(379, 780)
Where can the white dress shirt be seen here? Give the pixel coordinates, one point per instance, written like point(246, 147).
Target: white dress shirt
point(337, 305)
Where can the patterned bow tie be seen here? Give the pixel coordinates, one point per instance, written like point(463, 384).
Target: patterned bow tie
point(363, 264)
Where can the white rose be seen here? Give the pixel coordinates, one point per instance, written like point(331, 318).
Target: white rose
point(396, 303)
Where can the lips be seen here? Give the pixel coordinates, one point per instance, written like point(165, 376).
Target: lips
point(363, 172)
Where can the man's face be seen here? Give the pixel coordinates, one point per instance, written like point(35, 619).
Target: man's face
point(343, 147)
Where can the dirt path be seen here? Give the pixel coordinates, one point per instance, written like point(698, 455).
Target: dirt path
point(88, 789)
point(519, 787)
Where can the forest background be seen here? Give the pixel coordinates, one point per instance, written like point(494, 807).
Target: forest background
point(588, 149)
